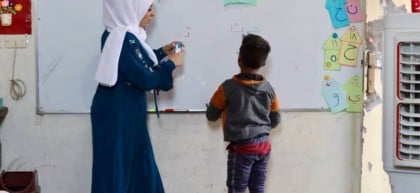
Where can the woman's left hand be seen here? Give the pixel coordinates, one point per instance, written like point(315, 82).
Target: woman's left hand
point(170, 48)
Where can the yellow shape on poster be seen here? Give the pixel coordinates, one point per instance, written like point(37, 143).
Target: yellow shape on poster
point(331, 49)
point(349, 50)
point(18, 7)
point(354, 90)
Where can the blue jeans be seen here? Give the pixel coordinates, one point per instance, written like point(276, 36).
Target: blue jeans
point(246, 170)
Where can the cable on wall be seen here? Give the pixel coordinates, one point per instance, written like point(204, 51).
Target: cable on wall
point(17, 86)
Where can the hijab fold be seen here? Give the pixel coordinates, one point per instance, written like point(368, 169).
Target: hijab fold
point(120, 17)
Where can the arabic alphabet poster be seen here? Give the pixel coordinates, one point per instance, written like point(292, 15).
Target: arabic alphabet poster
point(334, 94)
point(331, 52)
point(354, 91)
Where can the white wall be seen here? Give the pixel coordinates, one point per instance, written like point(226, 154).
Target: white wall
point(313, 152)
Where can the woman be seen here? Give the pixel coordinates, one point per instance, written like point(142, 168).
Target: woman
point(123, 160)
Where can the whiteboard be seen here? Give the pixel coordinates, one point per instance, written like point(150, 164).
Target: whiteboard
point(69, 47)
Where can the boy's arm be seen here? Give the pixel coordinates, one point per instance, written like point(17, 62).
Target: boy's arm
point(275, 119)
point(213, 113)
point(275, 112)
point(217, 105)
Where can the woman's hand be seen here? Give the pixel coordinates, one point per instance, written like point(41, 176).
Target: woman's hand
point(177, 58)
point(170, 48)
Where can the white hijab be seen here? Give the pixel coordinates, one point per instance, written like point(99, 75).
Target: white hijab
point(121, 16)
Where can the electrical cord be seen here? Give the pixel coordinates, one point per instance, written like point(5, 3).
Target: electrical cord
point(17, 86)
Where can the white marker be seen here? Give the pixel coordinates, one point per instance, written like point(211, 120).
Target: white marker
point(178, 46)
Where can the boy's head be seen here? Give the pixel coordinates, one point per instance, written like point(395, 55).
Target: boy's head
point(254, 51)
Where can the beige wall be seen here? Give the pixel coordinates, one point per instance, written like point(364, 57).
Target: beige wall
point(374, 178)
point(374, 9)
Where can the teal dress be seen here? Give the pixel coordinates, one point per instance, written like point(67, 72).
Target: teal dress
point(123, 159)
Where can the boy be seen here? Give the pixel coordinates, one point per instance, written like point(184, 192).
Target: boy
point(249, 109)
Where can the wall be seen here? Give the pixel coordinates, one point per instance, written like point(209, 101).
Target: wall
point(310, 149)
point(374, 178)
point(313, 152)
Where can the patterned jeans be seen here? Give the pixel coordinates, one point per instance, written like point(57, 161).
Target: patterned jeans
point(246, 170)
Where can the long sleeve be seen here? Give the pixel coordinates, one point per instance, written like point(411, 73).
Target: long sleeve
point(136, 66)
point(275, 119)
point(217, 105)
point(274, 110)
point(160, 54)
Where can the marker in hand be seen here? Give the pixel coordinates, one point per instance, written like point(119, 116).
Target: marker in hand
point(178, 46)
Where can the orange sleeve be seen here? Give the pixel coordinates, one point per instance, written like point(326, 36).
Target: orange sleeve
point(275, 105)
point(218, 99)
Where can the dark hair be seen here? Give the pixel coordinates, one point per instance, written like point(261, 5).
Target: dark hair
point(254, 51)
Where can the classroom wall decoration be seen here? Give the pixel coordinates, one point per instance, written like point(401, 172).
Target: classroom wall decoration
point(349, 50)
point(15, 17)
point(212, 32)
point(338, 13)
point(334, 94)
point(331, 52)
point(354, 11)
point(354, 91)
